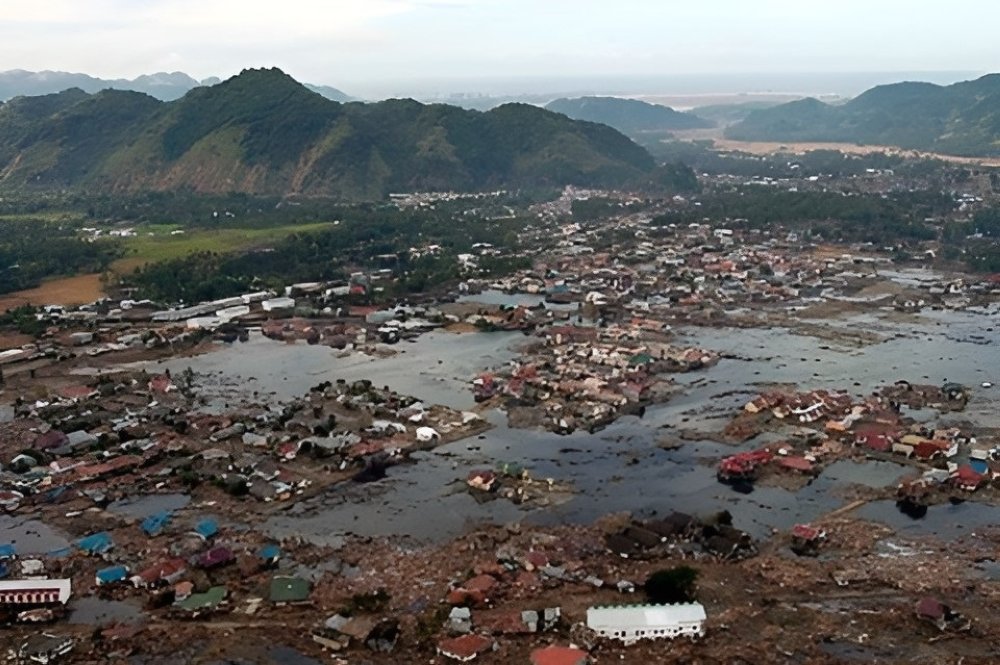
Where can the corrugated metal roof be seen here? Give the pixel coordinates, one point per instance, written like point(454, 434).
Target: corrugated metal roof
point(645, 616)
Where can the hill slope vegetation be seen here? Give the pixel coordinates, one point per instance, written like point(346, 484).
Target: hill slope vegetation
point(629, 116)
point(262, 132)
point(960, 119)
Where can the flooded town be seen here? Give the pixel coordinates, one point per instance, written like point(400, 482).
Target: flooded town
point(496, 469)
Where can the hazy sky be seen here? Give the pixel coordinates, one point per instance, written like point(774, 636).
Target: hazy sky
point(364, 45)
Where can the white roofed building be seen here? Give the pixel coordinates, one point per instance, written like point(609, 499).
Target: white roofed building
point(631, 623)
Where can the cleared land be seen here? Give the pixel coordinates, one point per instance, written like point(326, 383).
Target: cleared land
point(158, 242)
point(772, 147)
point(766, 148)
point(77, 290)
point(155, 243)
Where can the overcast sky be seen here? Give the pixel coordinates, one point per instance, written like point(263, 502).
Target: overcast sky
point(365, 45)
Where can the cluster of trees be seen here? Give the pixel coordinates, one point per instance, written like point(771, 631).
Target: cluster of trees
point(958, 119)
point(262, 131)
point(976, 242)
point(983, 257)
point(986, 223)
point(829, 215)
point(24, 319)
point(703, 158)
point(31, 250)
point(233, 210)
point(365, 238)
point(672, 585)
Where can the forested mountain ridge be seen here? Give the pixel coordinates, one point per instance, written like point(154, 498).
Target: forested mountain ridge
point(631, 117)
point(262, 132)
point(959, 119)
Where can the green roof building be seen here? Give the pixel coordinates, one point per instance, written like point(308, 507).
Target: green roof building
point(209, 600)
point(289, 590)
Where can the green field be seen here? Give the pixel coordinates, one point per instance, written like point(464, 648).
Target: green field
point(58, 217)
point(155, 242)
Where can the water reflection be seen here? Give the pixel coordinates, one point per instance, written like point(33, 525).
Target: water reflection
point(620, 468)
point(149, 505)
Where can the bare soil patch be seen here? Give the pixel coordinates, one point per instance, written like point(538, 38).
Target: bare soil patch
point(764, 148)
point(78, 290)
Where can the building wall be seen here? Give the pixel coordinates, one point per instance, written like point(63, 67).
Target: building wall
point(632, 634)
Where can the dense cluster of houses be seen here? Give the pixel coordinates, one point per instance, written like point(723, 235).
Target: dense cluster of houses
point(477, 617)
point(608, 296)
point(630, 266)
point(144, 430)
point(877, 425)
point(130, 435)
point(585, 377)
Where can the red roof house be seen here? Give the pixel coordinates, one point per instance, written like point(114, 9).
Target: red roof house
point(464, 648)
point(796, 463)
point(967, 478)
point(555, 655)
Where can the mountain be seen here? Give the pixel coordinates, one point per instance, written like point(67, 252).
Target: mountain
point(729, 114)
point(959, 119)
point(163, 86)
point(262, 132)
point(330, 93)
point(631, 117)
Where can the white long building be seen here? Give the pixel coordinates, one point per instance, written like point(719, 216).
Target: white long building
point(631, 623)
point(34, 592)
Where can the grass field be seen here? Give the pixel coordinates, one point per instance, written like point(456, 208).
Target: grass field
point(46, 217)
point(155, 242)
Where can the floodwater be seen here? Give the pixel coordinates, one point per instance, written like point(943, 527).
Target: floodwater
point(621, 468)
point(495, 297)
point(288, 656)
point(149, 505)
point(501, 298)
point(92, 611)
point(436, 367)
point(946, 520)
point(31, 537)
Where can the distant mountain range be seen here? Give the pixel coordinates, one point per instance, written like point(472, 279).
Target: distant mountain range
point(959, 119)
point(263, 132)
point(163, 86)
point(724, 115)
point(631, 117)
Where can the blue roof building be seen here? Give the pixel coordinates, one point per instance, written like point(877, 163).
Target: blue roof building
point(206, 528)
point(112, 575)
point(98, 543)
point(979, 466)
point(154, 524)
point(270, 553)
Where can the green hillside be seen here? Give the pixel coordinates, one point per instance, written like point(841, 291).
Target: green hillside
point(629, 116)
point(724, 115)
point(960, 119)
point(263, 133)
